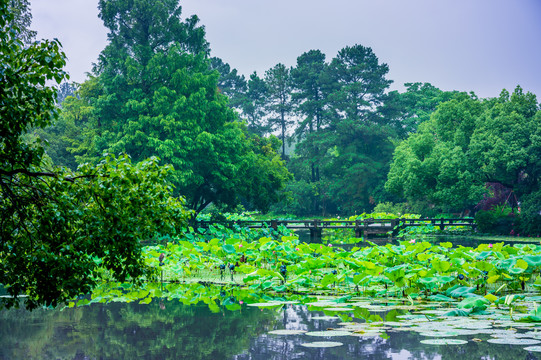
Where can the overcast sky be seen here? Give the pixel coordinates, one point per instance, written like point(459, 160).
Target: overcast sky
point(468, 45)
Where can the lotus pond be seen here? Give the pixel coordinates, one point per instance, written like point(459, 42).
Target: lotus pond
point(240, 294)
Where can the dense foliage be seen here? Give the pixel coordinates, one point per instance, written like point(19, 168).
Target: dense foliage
point(58, 229)
point(468, 143)
point(261, 269)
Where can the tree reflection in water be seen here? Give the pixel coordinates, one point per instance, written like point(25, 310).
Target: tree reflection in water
point(171, 330)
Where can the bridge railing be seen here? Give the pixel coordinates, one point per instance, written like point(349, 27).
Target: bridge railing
point(357, 225)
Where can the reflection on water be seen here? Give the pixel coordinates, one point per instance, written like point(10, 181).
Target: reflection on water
point(171, 330)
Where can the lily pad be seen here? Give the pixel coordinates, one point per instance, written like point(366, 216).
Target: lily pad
point(328, 333)
point(339, 309)
point(287, 332)
point(322, 344)
point(267, 304)
point(367, 333)
point(536, 348)
point(324, 317)
point(444, 342)
point(324, 303)
point(440, 334)
point(514, 341)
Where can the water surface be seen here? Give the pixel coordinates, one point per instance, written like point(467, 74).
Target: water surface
point(171, 330)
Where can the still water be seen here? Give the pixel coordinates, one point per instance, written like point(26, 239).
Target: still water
point(171, 330)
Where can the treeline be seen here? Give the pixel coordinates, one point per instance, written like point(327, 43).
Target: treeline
point(347, 143)
point(338, 124)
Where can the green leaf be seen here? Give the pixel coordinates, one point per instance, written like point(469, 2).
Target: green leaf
point(229, 249)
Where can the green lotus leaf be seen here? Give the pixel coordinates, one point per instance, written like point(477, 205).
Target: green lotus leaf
point(328, 279)
point(445, 279)
point(440, 333)
point(286, 332)
point(460, 291)
point(440, 265)
point(251, 278)
point(457, 312)
point(432, 280)
point(533, 260)
point(474, 302)
point(233, 307)
point(328, 333)
point(530, 319)
point(535, 348)
point(322, 344)
point(483, 255)
point(506, 264)
point(515, 271)
point(440, 297)
point(513, 341)
point(444, 342)
point(228, 248)
point(484, 266)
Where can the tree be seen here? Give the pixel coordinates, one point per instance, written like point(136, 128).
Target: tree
point(59, 230)
point(64, 90)
point(361, 137)
point(254, 105)
point(157, 95)
point(310, 79)
point(278, 80)
point(344, 143)
point(466, 144)
point(21, 19)
point(230, 83)
point(409, 109)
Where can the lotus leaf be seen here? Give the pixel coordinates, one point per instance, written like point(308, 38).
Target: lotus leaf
point(440, 266)
point(322, 344)
point(286, 332)
point(513, 341)
point(328, 333)
point(444, 342)
point(440, 297)
point(533, 348)
point(460, 291)
point(229, 249)
point(474, 303)
point(533, 260)
point(456, 312)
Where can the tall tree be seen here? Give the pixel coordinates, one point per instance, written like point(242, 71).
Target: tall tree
point(310, 79)
point(254, 105)
point(278, 80)
point(361, 136)
point(230, 83)
point(362, 83)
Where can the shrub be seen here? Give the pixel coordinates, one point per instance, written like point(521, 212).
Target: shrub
point(529, 221)
point(499, 221)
